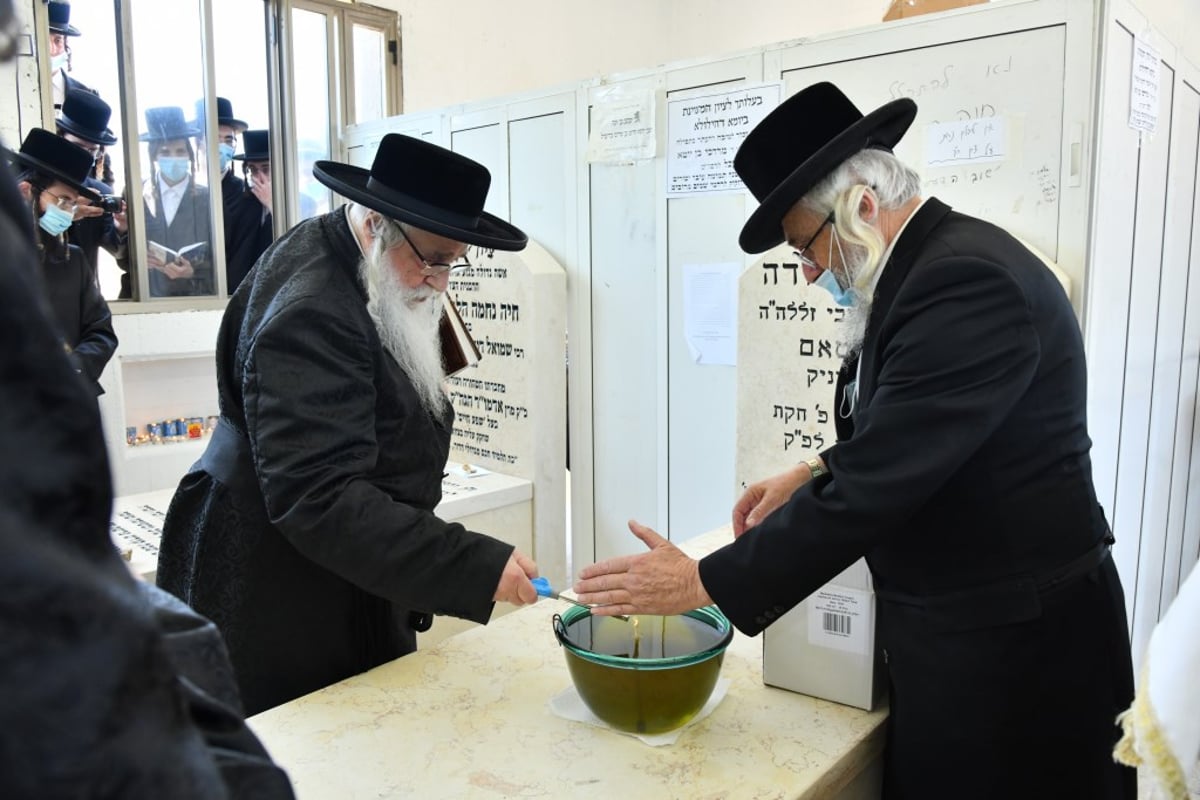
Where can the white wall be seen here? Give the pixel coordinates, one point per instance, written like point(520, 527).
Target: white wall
point(1178, 20)
point(471, 49)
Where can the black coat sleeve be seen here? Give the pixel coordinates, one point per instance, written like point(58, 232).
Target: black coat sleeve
point(960, 351)
point(310, 403)
point(97, 341)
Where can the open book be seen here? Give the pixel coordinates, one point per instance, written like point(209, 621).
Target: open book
point(458, 348)
point(197, 251)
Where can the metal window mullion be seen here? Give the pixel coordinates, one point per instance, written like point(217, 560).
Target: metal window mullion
point(282, 120)
point(211, 144)
point(135, 244)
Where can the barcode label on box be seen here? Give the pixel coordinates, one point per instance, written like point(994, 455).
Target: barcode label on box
point(837, 618)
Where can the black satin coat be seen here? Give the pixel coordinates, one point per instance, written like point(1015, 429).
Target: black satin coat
point(965, 482)
point(306, 532)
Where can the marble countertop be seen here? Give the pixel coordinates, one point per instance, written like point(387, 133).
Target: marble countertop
point(469, 718)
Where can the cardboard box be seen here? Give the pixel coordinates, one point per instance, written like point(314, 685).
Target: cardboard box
point(902, 9)
point(826, 646)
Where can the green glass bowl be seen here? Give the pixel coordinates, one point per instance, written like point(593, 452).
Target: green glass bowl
point(644, 674)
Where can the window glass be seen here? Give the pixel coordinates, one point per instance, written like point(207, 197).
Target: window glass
point(180, 256)
point(370, 86)
point(93, 63)
point(311, 68)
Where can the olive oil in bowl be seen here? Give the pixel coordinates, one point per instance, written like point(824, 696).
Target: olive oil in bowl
point(645, 674)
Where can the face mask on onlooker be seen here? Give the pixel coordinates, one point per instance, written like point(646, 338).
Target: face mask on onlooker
point(55, 220)
point(173, 169)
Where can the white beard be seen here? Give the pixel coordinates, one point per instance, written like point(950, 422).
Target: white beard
point(407, 321)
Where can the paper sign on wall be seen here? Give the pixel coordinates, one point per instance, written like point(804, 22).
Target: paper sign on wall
point(710, 312)
point(704, 133)
point(622, 126)
point(968, 141)
point(1143, 88)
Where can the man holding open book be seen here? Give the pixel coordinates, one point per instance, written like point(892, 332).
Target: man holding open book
point(178, 234)
point(306, 531)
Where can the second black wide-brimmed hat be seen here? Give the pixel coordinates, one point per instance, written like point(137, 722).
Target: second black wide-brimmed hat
point(86, 115)
point(427, 186)
point(257, 145)
point(799, 143)
point(57, 158)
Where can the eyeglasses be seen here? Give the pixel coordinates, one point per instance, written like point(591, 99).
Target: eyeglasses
point(805, 260)
point(432, 268)
point(67, 204)
point(257, 169)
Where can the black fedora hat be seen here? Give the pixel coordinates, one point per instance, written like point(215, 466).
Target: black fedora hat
point(166, 122)
point(224, 115)
point(60, 18)
point(799, 143)
point(85, 115)
point(257, 145)
point(57, 158)
point(430, 187)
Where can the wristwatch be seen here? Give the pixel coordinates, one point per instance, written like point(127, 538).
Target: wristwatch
point(816, 467)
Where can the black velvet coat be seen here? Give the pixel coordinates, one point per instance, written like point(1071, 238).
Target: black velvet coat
point(248, 233)
point(966, 483)
point(306, 531)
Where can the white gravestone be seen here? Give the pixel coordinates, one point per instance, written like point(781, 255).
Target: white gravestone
point(511, 408)
point(789, 355)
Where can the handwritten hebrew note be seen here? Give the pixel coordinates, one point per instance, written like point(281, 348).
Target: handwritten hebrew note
point(967, 141)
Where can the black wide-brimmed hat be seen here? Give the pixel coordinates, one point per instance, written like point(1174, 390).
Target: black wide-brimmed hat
point(224, 116)
point(430, 187)
point(803, 140)
point(60, 18)
point(85, 115)
point(257, 145)
point(57, 158)
point(166, 122)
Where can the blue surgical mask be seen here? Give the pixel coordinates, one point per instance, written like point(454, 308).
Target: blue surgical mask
point(829, 282)
point(173, 169)
point(226, 151)
point(58, 62)
point(54, 221)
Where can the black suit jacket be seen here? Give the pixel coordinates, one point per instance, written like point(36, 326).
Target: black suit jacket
point(965, 483)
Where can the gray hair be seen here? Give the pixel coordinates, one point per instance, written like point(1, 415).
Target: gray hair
point(893, 182)
point(386, 232)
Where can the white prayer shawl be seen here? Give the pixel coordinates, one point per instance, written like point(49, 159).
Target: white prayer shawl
point(1162, 727)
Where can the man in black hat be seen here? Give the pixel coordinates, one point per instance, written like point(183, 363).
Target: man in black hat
point(249, 224)
point(51, 180)
point(229, 128)
point(306, 530)
point(112, 687)
point(84, 123)
point(178, 232)
point(61, 83)
point(962, 474)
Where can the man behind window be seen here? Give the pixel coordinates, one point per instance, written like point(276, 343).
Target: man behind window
point(248, 221)
point(178, 232)
point(84, 123)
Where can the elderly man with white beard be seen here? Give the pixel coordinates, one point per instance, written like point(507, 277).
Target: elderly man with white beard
point(306, 531)
point(961, 472)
